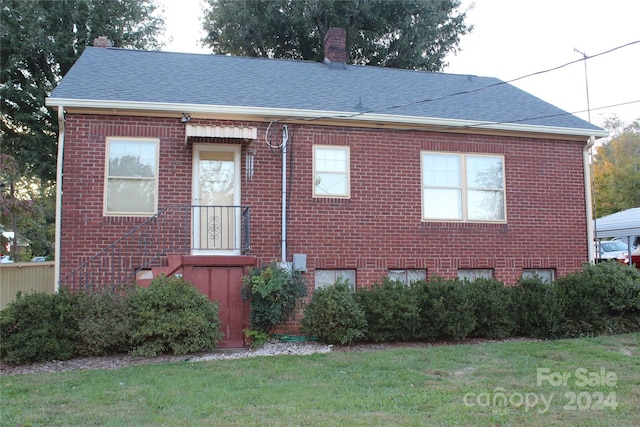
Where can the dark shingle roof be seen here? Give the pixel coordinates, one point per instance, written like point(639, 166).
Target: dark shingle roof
point(121, 75)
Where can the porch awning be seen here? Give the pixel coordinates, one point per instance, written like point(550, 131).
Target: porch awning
point(240, 132)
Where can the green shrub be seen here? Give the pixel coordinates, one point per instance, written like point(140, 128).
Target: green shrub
point(391, 310)
point(446, 309)
point(601, 299)
point(334, 316)
point(493, 308)
point(603, 289)
point(275, 295)
point(603, 326)
point(622, 283)
point(104, 323)
point(39, 327)
point(539, 312)
point(172, 316)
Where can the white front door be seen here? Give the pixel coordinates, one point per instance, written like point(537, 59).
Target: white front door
point(216, 199)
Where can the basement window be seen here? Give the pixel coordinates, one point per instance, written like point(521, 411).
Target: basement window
point(326, 278)
point(131, 184)
point(544, 274)
point(408, 276)
point(472, 274)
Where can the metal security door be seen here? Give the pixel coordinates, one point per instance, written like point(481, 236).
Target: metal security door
point(216, 216)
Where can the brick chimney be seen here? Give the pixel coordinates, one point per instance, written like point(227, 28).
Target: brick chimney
point(335, 48)
point(102, 41)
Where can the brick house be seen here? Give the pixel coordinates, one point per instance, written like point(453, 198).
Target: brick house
point(204, 165)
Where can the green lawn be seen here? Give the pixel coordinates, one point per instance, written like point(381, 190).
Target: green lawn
point(585, 382)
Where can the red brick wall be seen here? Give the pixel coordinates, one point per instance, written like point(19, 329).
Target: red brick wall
point(379, 227)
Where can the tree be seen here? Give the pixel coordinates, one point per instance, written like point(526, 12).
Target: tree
point(11, 205)
point(412, 34)
point(616, 170)
point(40, 41)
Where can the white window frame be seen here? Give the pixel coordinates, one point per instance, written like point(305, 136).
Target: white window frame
point(402, 274)
point(346, 173)
point(472, 274)
point(547, 275)
point(336, 273)
point(463, 188)
point(107, 177)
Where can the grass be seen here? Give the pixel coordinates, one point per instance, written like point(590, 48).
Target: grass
point(484, 384)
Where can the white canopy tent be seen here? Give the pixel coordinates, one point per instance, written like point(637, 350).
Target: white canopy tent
point(620, 224)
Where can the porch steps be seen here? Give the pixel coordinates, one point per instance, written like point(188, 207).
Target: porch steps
point(173, 265)
point(176, 265)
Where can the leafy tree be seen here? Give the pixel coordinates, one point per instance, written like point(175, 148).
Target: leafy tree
point(616, 171)
point(12, 204)
point(40, 40)
point(38, 229)
point(412, 34)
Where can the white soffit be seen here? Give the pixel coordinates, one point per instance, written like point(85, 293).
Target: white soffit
point(239, 132)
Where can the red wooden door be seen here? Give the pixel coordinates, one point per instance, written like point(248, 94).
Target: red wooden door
point(222, 284)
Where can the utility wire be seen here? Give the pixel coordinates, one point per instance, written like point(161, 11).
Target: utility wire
point(466, 92)
point(584, 58)
point(554, 115)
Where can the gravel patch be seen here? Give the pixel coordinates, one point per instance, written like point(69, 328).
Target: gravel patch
point(269, 349)
point(118, 361)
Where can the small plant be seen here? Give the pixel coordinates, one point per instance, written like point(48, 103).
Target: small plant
point(257, 338)
point(172, 316)
point(275, 294)
point(334, 316)
point(39, 327)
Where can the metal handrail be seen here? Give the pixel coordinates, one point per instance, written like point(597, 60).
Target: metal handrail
point(179, 230)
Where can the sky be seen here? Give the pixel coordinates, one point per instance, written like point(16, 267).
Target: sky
point(516, 38)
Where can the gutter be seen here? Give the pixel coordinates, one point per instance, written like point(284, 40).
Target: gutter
point(309, 115)
point(58, 231)
point(588, 199)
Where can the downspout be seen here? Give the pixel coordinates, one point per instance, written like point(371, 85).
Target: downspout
point(588, 199)
point(61, 130)
point(285, 138)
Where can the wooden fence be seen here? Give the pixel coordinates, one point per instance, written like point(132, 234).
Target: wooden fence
point(26, 277)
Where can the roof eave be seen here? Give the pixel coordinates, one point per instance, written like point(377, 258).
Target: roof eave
point(294, 114)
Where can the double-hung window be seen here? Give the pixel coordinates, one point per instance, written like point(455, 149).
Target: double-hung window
point(131, 176)
point(463, 187)
point(331, 171)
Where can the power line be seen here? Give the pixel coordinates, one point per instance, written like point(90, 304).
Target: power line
point(555, 115)
point(584, 58)
point(466, 92)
